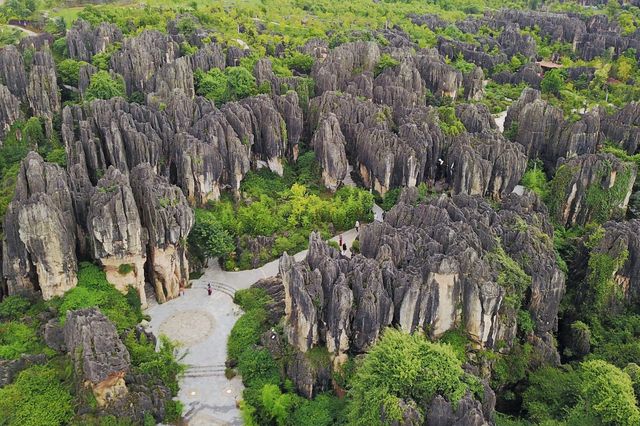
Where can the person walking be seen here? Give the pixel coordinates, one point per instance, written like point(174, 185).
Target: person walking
point(209, 289)
point(340, 243)
point(357, 226)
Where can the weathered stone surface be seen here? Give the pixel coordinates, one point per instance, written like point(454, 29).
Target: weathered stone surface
point(12, 71)
point(10, 368)
point(167, 218)
point(84, 41)
point(473, 83)
point(100, 358)
point(141, 57)
point(39, 231)
point(42, 89)
point(579, 185)
point(544, 133)
point(9, 111)
point(329, 146)
point(416, 271)
point(116, 234)
point(343, 63)
point(440, 78)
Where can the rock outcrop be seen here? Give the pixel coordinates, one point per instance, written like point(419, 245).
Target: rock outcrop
point(9, 111)
point(40, 232)
point(116, 234)
point(167, 219)
point(344, 62)
point(417, 272)
point(100, 358)
point(594, 187)
point(85, 41)
point(329, 146)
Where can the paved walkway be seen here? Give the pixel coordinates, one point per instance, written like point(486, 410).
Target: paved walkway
point(201, 324)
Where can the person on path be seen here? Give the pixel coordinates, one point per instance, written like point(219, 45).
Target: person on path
point(181, 293)
point(340, 244)
point(357, 226)
point(209, 289)
point(344, 248)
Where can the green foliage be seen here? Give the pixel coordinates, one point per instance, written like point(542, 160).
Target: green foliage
point(449, 123)
point(38, 397)
point(103, 86)
point(13, 307)
point(511, 277)
point(602, 267)
point(251, 299)
point(16, 339)
point(605, 202)
point(552, 82)
point(608, 393)
point(550, 392)
point(125, 268)
point(536, 180)
point(386, 61)
point(323, 410)
point(278, 405)
point(525, 322)
point(241, 83)
point(69, 71)
point(161, 365)
point(390, 199)
point(212, 85)
point(299, 62)
point(209, 237)
point(246, 332)
point(615, 339)
point(403, 367)
point(93, 289)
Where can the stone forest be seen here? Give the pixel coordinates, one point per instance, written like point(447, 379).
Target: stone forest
point(320, 212)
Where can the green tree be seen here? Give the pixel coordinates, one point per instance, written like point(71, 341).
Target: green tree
point(212, 85)
point(608, 393)
point(552, 82)
point(208, 234)
point(241, 82)
point(69, 71)
point(103, 86)
point(33, 132)
point(403, 367)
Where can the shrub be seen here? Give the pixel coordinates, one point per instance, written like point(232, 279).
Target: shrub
point(535, 180)
point(386, 61)
point(161, 365)
point(245, 333)
point(17, 339)
point(209, 236)
point(93, 289)
point(608, 392)
point(103, 86)
point(69, 71)
point(403, 367)
point(13, 307)
point(36, 398)
point(125, 268)
point(551, 392)
point(241, 82)
point(552, 82)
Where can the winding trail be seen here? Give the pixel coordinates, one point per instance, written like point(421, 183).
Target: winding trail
point(201, 324)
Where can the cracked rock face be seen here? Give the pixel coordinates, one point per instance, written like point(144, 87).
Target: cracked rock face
point(85, 41)
point(329, 145)
point(116, 234)
point(591, 187)
point(415, 273)
point(9, 110)
point(100, 358)
point(39, 241)
point(167, 218)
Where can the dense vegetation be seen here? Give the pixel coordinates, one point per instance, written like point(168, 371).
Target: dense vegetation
point(285, 209)
point(47, 394)
point(275, 214)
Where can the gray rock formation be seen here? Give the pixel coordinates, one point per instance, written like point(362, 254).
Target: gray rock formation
point(84, 41)
point(167, 218)
point(329, 146)
point(416, 271)
point(544, 133)
point(473, 83)
point(141, 57)
point(594, 187)
point(42, 90)
point(9, 111)
point(12, 71)
point(116, 234)
point(343, 63)
point(40, 231)
point(440, 78)
point(100, 358)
